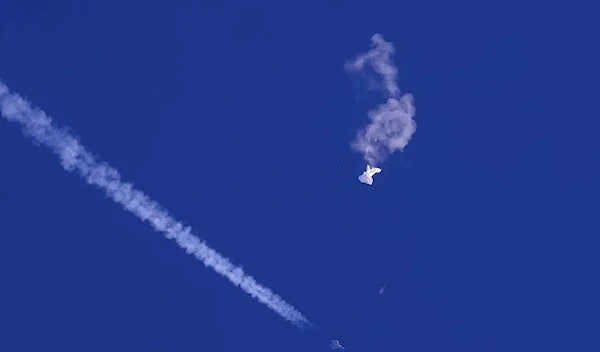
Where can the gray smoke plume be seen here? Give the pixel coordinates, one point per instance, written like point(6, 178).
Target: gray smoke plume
point(392, 124)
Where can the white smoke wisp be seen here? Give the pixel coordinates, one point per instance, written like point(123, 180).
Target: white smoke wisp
point(75, 158)
point(392, 124)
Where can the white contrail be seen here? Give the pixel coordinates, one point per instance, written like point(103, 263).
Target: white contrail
point(74, 157)
point(392, 124)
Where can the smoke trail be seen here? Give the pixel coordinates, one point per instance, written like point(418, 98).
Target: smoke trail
point(74, 157)
point(392, 123)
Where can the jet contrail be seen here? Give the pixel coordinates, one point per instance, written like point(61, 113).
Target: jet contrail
point(392, 123)
point(74, 157)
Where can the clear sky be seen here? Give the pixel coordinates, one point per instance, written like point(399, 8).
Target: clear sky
point(237, 117)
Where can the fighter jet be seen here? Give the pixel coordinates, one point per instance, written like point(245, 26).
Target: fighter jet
point(335, 344)
point(367, 176)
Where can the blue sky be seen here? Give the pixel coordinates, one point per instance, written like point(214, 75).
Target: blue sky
point(483, 230)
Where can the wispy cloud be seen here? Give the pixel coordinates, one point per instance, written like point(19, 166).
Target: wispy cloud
point(392, 124)
point(75, 158)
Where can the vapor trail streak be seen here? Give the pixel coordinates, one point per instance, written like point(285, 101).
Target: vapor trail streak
point(74, 157)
